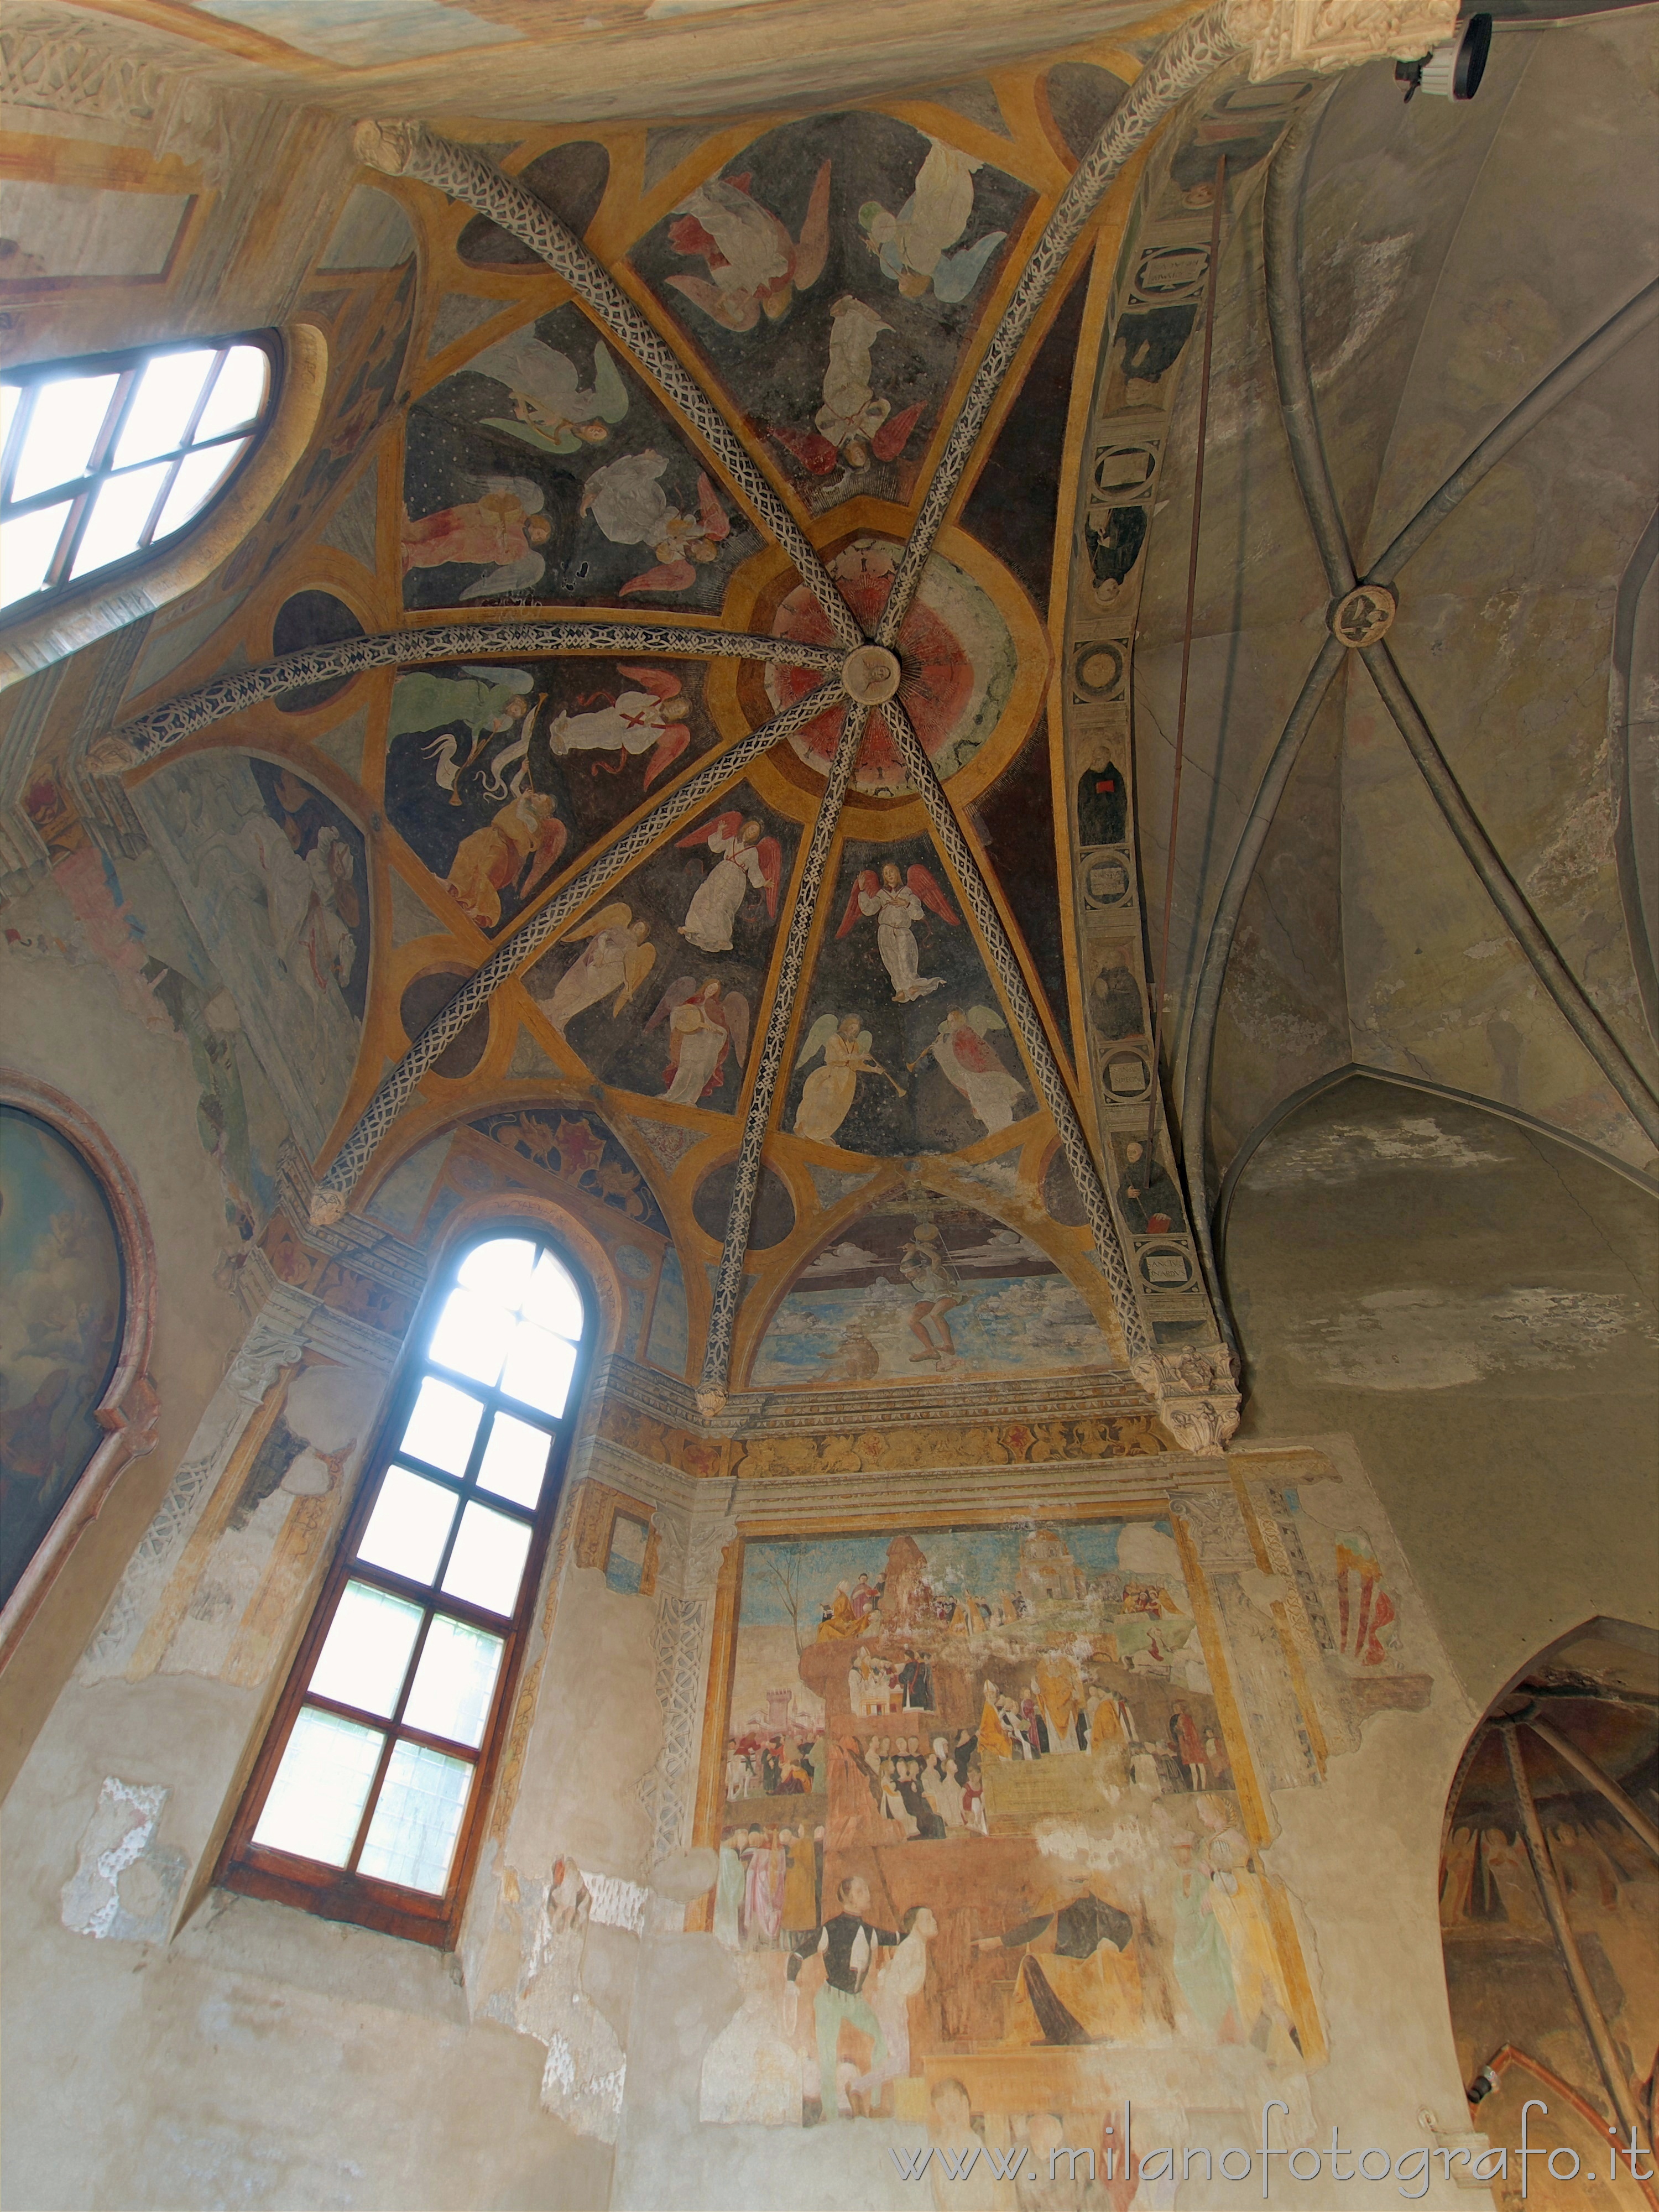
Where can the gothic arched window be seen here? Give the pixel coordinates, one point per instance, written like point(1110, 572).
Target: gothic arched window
point(105, 459)
point(366, 1803)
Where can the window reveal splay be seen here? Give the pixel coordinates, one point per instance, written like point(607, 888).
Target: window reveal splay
point(366, 1799)
point(105, 459)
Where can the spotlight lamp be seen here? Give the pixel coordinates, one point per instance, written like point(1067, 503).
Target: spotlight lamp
point(1453, 71)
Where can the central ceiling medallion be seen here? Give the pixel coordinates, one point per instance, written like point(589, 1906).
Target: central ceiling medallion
point(954, 666)
point(870, 675)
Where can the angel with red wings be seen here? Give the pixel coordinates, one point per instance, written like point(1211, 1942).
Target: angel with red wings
point(854, 427)
point(754, 265)
point(649, 718)
point(626, 500)
point(744, 861)
point(898, 904)
point(705, 1023)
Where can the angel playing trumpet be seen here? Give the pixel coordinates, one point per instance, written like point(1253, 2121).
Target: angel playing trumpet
point(898, 902)
point(827, 1098)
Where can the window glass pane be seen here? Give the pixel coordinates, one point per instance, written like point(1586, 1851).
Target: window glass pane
point(538, 1367)
point(317, 1799)
point(68, 413)
point(514, 1460)
point(411, 1839)
point(199, 477)
point(160, 406)
point(454, 1680)
point(237, 395)
point(488, 1560)
point(366, 1653)
point(500, 1269)
point(471, 1336)
point(119, 515)
point(442, 1426)
point(553, 1299)
point(26, 545)
point(409, 1526)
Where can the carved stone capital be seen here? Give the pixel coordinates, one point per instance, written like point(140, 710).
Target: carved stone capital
point(1196, 1395)
point(1323, 35)
point(112, 755)
point(711, 1403)
point(327, 1207)
point(388, 146)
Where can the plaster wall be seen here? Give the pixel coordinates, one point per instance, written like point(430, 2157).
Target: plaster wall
point(1476, 1306)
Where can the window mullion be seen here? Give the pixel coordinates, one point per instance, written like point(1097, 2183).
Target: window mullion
point(74, 524)
point(201, 398)
point(19, 429)
point(160, 500)
point(392, 1731)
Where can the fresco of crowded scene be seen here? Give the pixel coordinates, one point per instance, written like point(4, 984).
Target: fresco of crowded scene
point(980, 1825)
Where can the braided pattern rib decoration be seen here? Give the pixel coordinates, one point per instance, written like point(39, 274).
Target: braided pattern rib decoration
point(149, 734)
point(410, 150)
point(399, 1087)
point(728, 1288)
point(1180, 65)
point(1055, 1096)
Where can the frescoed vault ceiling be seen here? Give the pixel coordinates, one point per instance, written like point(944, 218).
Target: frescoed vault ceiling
point(736, 597)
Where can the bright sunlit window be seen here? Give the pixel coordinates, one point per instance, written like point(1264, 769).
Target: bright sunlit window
point(367, 1799)
point(103, 460)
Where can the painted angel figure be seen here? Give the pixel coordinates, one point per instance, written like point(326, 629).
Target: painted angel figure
point(898, 904)
point(479, 704)
point(755, 267)
point(504, 525)
point(972, 1066)
point(744, 861)
point(628, 502)
point(550, 411)
point(705, 1023)
point(912, 245)
point(854, 427)
point(649, 718)
point(827, 1096)
point(513, 854)
point(617, 957)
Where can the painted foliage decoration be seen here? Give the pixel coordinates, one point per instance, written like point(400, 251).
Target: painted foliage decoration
point(545, 470)
point(500, 776)
point(832, 275)
point(61, 1305)
point(658, 988)
point(904, 1044)
point(981, 1830)
point(924, 1290)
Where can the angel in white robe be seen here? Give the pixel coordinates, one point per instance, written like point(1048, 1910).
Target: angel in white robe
point(898, 902)
point(628, 502)
point(705, 1022)
point(971, 1066)
point(550, 411)
point(827, 1095)
point(618, 956)
point(744, 861)
point(912, 245)
point(755, 267)
point(854, 427)
point(647, 720)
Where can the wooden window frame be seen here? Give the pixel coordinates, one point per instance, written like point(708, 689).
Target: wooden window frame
point(126, 364)
point(335, 1893)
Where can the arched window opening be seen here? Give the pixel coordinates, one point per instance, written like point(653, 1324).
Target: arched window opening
point(105, 459)
point(367, 1800)
point(1549, 1900)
